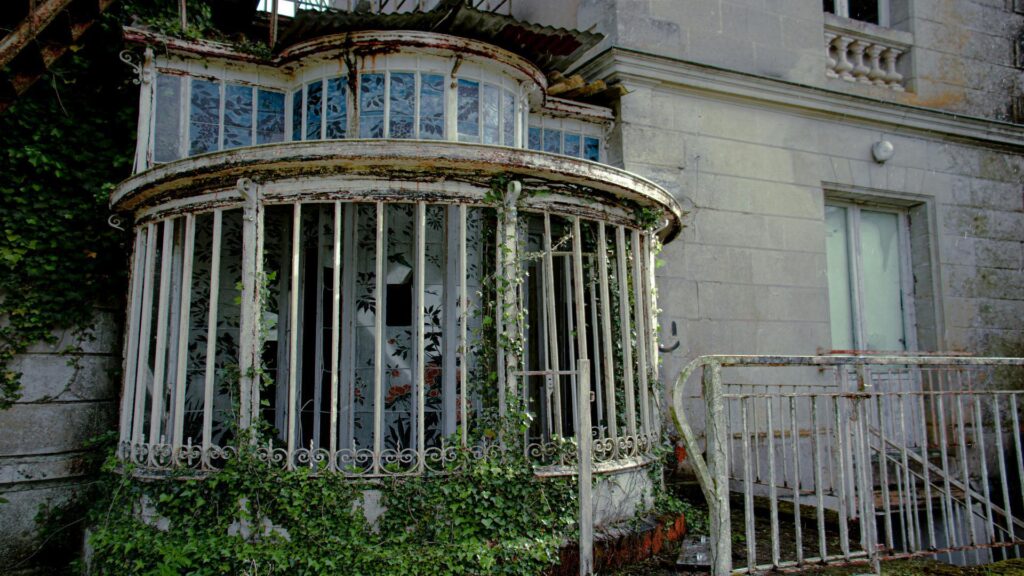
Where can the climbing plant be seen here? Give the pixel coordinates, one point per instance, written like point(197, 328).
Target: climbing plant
point(65, 143)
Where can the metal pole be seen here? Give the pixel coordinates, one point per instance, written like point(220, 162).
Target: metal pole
point(718, 466)
point(583, 443)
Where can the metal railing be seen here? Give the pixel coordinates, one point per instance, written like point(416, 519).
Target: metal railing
point(847, 458)
point(397, 6)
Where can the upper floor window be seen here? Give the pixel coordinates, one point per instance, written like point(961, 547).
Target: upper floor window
point(869, 287)
point(873, 11)
point(196, 115)
point(568, 137)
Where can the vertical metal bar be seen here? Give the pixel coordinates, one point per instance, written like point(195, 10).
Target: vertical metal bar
point(552, 326)
point(930, 518)
point(335, 331)
point(625, 328)
point(582, 400)
point(131, 357)
point(966, 479)
point(250, 347)
point(909, 504)
point(794, 434)
point(640, 298)
point(211, 335)
point(570, 329)
point(595, 342)
point(184, 321)
point(718, 466)
point(883, 470)
point(952, 540)
point(748, 488)
point(979, 443)
point(583, 442)
point(378, 338)
point(819, 492)
point(417, 346)
point(450, 329)
point(1013, 401)
point(144, 335)
point(840, 459)
point(318, 363)
point(1001, 455)
point(651, 324)
point(463, 328)
point(293, 332)
point(773, 495)
point(606, 334)
point(157, 405)
point(348, 288)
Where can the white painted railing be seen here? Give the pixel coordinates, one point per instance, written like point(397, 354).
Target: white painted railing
point(858, 457)
point(864, 53)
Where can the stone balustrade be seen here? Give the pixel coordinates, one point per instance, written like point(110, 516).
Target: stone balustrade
point(865, 53)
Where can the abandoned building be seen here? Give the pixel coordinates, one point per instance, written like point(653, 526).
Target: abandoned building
point(317, 232)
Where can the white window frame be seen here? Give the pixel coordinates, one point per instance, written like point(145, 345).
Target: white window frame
point(842, 9)
point(855, 263)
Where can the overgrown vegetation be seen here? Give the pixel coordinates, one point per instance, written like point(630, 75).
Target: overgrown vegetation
point(66, 143)
point(494, 517)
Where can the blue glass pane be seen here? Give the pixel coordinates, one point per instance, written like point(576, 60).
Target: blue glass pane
point(237, 116)
point(314, 109)
point(403, 104)
point(534, 139)
point(270, 119)
point(168, 111)
point(469, 111)
point(508, 113)
point(337, 107)
point(553, 141)
point(431, 107)
point(592, 149)
point(492, 114)
point(572, 145)
point(371, 106)
point(297, 115)
point(204, 116)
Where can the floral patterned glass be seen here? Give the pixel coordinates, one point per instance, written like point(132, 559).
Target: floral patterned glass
point(237, 116)
point(204, 116)
point(314, 109)
point(403, 104)
point(432, 107)
point(469, 111)
point(337, 107)
point(270, 117)
point(508, 112)
point(371, 106)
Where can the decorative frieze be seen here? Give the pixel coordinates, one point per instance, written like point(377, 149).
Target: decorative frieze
point(863, 53)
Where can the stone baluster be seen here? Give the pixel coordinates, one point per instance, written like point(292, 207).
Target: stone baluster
point(843, 65)
point(860, 70)
point(893, 78)
point(876, 75)
point(830, 62)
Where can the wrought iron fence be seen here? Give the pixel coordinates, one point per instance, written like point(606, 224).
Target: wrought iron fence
point(844, 458)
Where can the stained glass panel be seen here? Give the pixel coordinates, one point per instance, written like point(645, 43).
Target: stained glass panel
point(508, 113)
point(371, 106)
point(314, 109)
point(337, 107)
point(270, 117)
point(237, 116)
point(592, 149)
point(491, 114)
point(403, 104)
point(166, 144)
point(204, 116)
point(469, 111)
point(431, 107)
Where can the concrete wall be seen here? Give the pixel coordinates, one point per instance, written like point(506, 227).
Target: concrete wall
point(962, 57)
point(62, 406)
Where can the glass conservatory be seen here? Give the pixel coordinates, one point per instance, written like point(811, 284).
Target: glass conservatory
point(374, 245)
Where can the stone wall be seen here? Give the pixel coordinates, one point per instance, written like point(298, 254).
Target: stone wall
point(961, 56)
point(66, 400)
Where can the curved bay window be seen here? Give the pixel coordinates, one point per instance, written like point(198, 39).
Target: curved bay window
point(360, 260)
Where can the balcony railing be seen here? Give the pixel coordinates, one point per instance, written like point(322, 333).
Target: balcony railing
point(864, 53)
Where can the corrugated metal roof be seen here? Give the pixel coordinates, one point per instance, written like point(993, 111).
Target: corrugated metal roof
point(548, 47)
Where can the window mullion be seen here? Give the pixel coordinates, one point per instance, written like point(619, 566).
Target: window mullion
point(907, 284)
